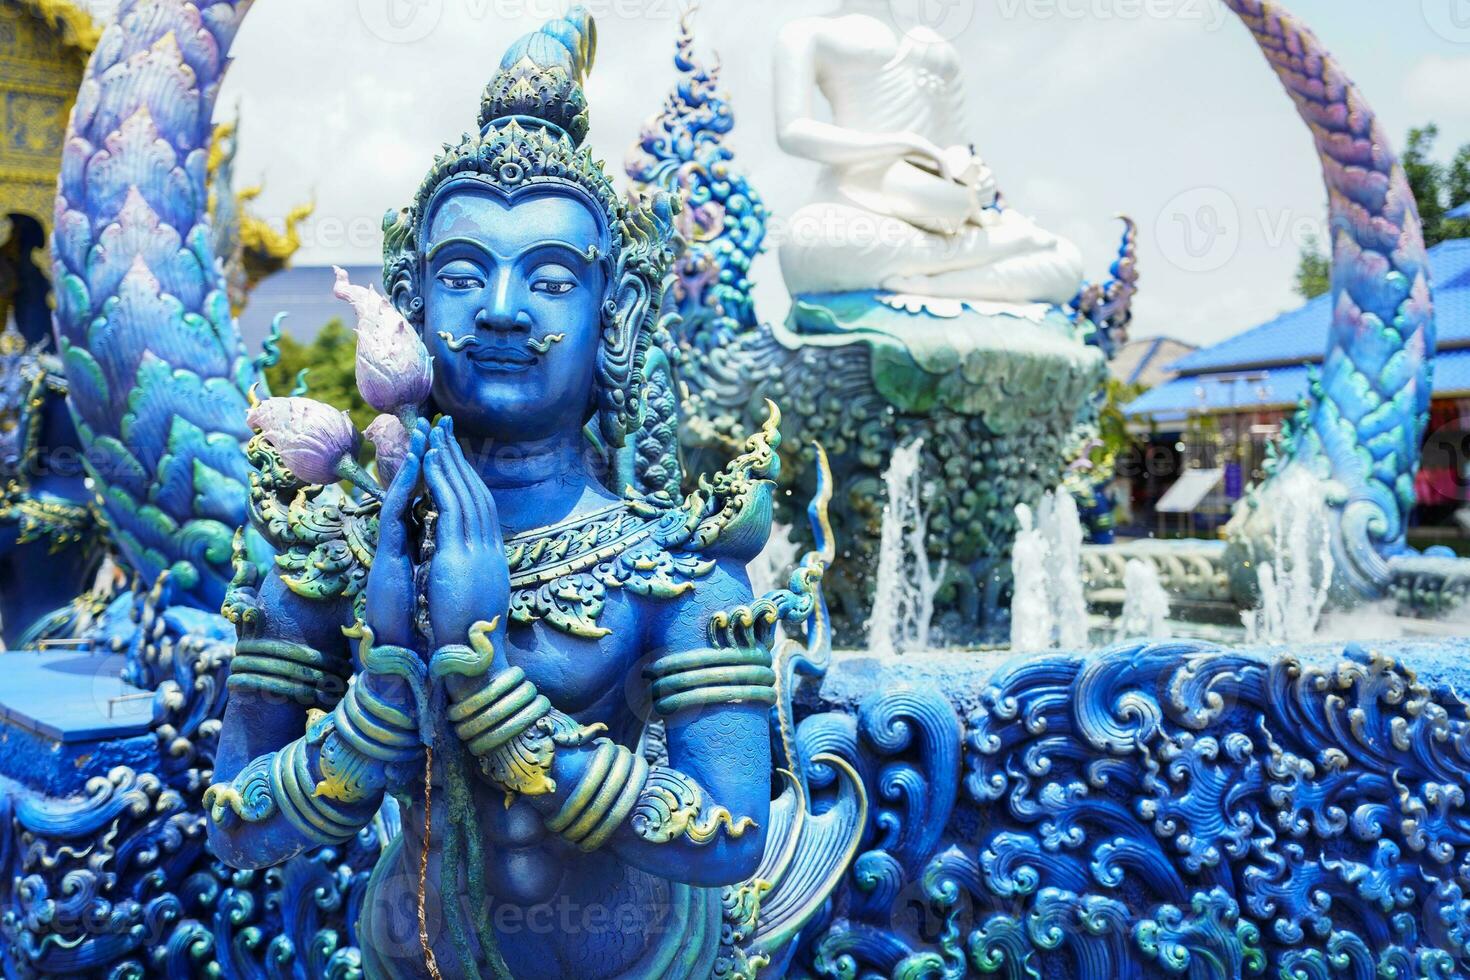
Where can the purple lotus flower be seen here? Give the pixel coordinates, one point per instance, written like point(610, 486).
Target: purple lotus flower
point(318, 443)
point(389, 437)
point(394, 369)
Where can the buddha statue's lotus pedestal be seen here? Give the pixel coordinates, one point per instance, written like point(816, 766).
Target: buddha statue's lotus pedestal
point(992, 390)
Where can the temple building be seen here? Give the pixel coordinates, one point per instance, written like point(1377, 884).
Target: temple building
point(1148, 362)
point(1227, 401)
point(44, 46)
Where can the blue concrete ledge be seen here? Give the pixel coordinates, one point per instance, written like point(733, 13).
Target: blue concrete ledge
point(72, 697)
point(67, 717)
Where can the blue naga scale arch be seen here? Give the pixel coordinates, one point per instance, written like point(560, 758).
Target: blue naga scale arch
point(158, 375)
point(1359, 431)
point(103, 861)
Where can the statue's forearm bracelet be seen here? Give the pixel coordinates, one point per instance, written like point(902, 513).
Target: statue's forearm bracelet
point(316, 816)
point(364, 735)
point(506, 723)
point(659, 804)
point(283, 783)
point(704, 678)
point(504, 709)
point(293, 671)
point(603, 797)
point(516, 733)
point(327, 797)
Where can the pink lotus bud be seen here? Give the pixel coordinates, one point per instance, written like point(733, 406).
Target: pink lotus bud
point(394, 369)
point(390, 438)
point(317, 442)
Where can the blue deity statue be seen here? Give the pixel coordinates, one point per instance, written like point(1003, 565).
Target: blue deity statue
point(565, 684)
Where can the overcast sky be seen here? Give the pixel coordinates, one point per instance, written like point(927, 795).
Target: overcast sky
point(1160, 109)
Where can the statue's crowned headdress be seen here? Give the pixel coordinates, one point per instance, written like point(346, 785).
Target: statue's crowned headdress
point(533, 124)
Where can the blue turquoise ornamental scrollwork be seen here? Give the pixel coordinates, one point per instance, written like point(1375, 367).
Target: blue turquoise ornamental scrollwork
point(723, 223)
point(51, 540)
point(1106, 309)
point(1157, 810)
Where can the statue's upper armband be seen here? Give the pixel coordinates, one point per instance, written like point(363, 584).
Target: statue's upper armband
point(323, 542)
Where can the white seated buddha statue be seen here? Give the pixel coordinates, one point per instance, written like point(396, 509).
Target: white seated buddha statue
point(903, 203)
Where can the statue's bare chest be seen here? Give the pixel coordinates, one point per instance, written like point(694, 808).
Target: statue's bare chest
point(869, 49)
point(876, 80)
point(591, 678)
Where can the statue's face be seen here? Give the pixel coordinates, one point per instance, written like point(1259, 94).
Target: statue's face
point(516, 287)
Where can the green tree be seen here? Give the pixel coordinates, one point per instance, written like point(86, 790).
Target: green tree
point(1112, 424)
point(329, 361)
point(1314, 269)
point(1426, 180)
point(1457, 192)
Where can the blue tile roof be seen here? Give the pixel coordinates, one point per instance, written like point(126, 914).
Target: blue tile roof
point(1276, 353)
point(1301, 335)
point(1277, 387)
point(1280, 387)
point(1452, 372)
point(1279, 351)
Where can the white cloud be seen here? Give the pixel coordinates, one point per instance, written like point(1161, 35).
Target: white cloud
point(1437, 85)
point(1081, 119)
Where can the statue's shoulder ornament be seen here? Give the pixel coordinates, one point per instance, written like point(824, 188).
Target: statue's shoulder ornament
point(323, 538)
point(651, 545)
